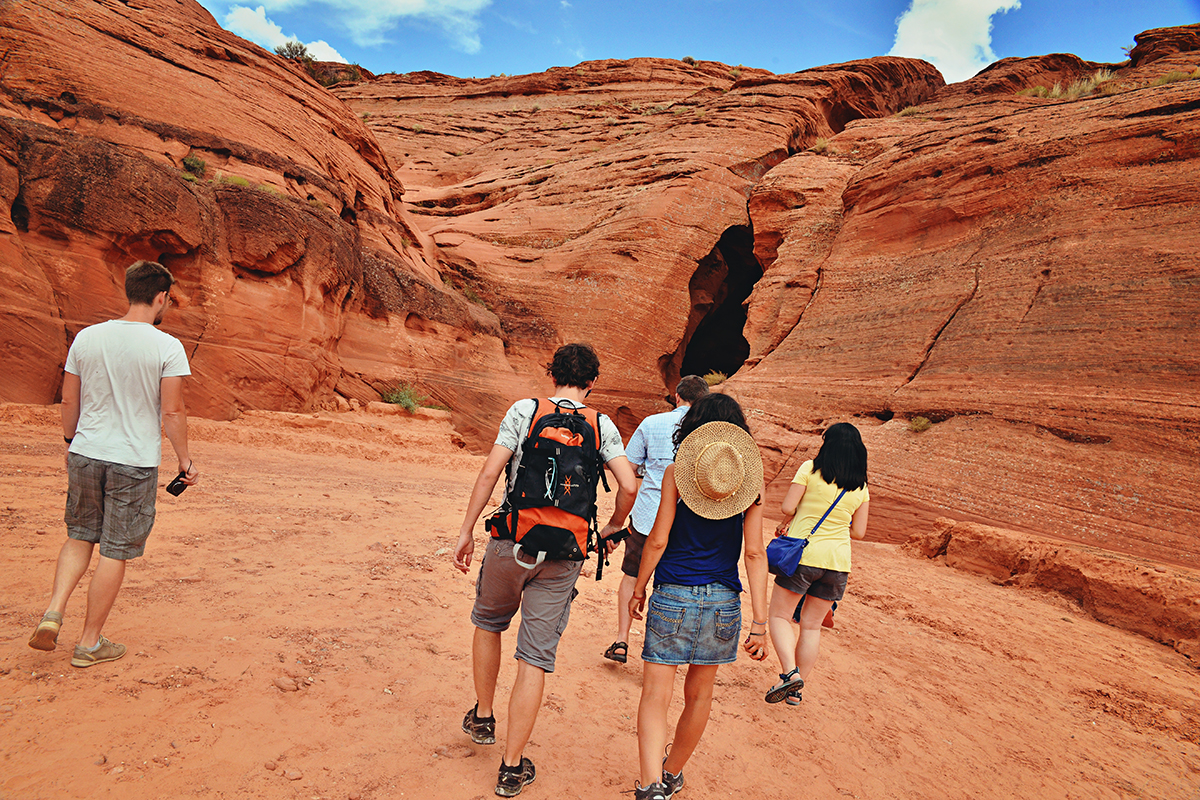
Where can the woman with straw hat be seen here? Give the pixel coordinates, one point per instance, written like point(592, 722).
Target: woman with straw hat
point(710, 513)
point(827, 504)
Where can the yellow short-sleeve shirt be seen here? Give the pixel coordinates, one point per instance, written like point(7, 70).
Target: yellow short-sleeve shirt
point(829, 546)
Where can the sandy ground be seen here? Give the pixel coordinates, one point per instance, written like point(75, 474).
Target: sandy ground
point(296, 630)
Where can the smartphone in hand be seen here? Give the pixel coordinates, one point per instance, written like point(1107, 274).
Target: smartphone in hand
point(177, 486)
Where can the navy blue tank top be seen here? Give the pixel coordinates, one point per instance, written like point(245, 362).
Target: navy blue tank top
point(701, 551)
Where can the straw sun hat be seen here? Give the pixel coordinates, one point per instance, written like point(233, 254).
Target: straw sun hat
point(718, 470)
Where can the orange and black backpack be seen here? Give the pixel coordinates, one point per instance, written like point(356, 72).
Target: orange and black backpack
point(551, 505)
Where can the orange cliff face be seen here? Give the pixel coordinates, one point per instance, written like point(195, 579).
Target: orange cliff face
point(1019, 269)
point(147, 131)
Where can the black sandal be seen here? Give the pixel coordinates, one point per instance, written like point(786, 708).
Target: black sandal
point(617, 651)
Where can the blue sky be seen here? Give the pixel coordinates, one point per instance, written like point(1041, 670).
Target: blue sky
point(478, 38)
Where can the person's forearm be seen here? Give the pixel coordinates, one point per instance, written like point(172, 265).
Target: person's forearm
point(175, 426)
point(480, 494)
point(651, 553)
point(70, 404)
point(70, 420)
point(624, 504)
point(756, 573)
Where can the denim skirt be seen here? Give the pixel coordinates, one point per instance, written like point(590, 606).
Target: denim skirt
point(692, 625)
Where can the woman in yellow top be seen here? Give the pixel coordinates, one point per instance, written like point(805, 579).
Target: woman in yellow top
point(832, 486)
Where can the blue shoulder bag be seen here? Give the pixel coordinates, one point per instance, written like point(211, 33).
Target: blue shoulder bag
point(784, 552)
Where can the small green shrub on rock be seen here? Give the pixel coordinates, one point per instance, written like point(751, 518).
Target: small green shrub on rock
point(195, 165)
point(919, 424)
point(404, 395)
point(294, 50)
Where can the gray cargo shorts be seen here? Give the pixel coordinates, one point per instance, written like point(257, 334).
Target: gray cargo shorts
point(112, 504)
point(543, 595)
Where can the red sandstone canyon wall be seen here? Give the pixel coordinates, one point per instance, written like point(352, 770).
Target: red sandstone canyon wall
point(854, 242)
point(297, 262)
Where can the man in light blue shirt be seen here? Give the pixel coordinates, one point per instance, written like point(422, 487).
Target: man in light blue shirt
point(651, 450)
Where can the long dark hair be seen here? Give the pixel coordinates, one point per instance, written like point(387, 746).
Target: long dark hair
point(842, 459)
point(715, 407)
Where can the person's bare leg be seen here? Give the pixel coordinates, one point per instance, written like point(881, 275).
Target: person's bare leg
point(658, 681)
point(697, 706)
point(485, 667)
point(73, 561)
point(102, 593)
point(783, 635)
point(811, 617)
point(624, 595)
point(523, 706)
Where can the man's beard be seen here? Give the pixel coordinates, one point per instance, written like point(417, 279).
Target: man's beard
point(158, 318)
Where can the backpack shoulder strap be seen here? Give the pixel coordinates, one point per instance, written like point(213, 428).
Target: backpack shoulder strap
point(542, 407)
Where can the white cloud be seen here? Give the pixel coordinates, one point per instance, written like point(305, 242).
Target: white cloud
point(253, 24)
point(369, 21)
point(953, 35)
point(321, 50)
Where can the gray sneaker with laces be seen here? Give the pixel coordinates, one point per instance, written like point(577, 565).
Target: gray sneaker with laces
point(482, 730)
point(513, 779)
point(671, 783)
point(655, 791)
point(106, 651)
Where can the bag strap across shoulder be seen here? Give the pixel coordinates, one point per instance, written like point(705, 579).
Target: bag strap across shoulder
point(826, 514)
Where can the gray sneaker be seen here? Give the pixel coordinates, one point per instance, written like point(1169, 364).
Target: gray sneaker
point(654, 791)
point(513, 779)
point(45, 636)
point(671, 783)
point(107, 651)
point(482, 730)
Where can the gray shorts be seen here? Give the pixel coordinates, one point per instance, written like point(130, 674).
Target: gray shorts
point(112, 504)
point(633, 552)
point(543, 594)
point(824, 584)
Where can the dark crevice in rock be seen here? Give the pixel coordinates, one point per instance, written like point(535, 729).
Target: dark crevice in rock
point(20, 213)
point(1075, 437)
point(933, 342)
point(713, 340)
point(1043, 279)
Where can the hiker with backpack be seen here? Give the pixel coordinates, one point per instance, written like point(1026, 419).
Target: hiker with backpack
point(709, 515)
point(553, 452)
point(826, 504)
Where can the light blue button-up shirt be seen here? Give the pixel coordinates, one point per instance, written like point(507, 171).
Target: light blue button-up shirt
point(652, 448)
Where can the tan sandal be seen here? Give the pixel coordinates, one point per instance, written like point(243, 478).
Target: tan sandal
point(45, 635)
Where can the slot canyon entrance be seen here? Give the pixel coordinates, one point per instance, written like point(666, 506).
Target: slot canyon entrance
point(713, 340)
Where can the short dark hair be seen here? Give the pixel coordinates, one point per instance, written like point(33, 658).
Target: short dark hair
point(691, 388)
point(145, 280)
point(574, 365)
point(842, 459)
point(714, 407)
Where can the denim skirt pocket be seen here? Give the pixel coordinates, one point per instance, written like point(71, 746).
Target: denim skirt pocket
point(728, 623)
point(664, 619)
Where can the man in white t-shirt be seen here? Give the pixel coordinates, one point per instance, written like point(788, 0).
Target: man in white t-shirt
point(123, 386)
point(542, 590)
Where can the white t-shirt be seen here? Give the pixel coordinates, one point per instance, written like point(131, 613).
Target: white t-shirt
point(121, 365)
point(515, 427)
